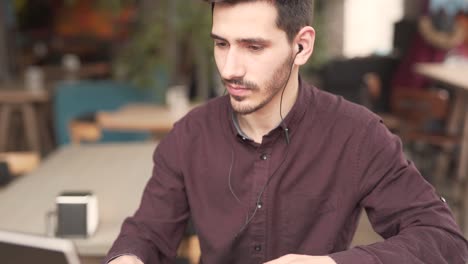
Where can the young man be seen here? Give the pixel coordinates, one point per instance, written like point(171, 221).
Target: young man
point(278, 171)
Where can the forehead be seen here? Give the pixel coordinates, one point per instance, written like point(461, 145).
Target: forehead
point(245, 20)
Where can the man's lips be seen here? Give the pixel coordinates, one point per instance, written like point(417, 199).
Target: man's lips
point(236, 90)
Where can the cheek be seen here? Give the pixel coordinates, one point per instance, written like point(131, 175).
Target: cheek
point(257, 68)
point(219, 59)
point(262, 70)
point(269, 61)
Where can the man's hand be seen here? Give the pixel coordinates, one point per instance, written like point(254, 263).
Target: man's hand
point(126, 259)
point(302, 259)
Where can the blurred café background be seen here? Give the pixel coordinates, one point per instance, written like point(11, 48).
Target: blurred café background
point(88, 87)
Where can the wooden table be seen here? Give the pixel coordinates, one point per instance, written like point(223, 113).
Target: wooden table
point(455, 75)
point(116, 173)
point(152, 118)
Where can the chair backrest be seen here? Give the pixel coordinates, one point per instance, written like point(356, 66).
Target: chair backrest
point(419, 107)
point(81, 98)
point(345, 77)
point(21, 248)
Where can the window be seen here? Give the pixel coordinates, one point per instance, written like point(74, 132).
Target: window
point(368, 26)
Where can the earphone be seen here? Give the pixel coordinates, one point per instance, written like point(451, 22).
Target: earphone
point(286, 130)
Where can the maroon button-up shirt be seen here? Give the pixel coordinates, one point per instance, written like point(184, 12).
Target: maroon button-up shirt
point(251, 203)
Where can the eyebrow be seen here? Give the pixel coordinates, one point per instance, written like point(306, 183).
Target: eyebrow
point(214, 36)
point(244, 40)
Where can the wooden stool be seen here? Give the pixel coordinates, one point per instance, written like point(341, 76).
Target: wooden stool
point(20, 162)
point(26, 103)
point(14, 164)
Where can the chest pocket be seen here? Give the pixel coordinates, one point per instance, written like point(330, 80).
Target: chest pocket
point(308, 225)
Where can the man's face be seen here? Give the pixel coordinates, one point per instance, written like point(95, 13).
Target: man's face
point(252, 54)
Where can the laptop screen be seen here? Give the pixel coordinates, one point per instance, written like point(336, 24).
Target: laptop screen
point(19, 254)
point(18, 248)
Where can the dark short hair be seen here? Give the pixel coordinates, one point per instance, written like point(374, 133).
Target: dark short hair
point(293, 15)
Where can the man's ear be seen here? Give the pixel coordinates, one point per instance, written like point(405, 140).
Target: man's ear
point(305, 39)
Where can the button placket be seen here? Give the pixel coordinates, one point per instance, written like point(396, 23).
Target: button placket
point(258, 224)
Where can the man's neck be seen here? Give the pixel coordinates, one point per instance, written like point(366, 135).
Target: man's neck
point(262, 121)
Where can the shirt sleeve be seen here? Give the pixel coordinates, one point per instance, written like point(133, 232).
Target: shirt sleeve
point(417, 226)
point(154, 232)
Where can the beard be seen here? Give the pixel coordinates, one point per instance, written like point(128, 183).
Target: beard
point(271, 89)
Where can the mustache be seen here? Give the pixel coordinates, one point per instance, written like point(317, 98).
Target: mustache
point(241, 82)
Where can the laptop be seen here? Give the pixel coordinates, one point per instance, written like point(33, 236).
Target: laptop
point(18, 248)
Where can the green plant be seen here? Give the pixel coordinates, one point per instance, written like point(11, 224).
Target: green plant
point(170, 44)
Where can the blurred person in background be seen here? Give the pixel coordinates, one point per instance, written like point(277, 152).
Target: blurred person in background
point(441, 32)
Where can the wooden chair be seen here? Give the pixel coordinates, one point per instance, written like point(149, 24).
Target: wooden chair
point(422, 116)
point(371, 93)
point(418, 111)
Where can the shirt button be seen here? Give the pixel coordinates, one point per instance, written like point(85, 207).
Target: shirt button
point(259, 205)
point(264, 157)
point(443, 199)
point(258, 248)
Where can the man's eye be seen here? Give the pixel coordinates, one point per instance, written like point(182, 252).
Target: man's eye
point(255, 48)
point(221, 44)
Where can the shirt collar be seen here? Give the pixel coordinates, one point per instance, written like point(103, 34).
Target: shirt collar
point(237, 126)
point(292, 119)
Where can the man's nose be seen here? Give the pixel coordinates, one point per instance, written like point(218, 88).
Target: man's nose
point(233, 67)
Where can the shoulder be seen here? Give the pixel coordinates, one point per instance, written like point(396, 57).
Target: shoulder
point(202, 122)
point(199, 125)
point(337, 111)
point(361, 129)
point(206, 114)
point(339, 122)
